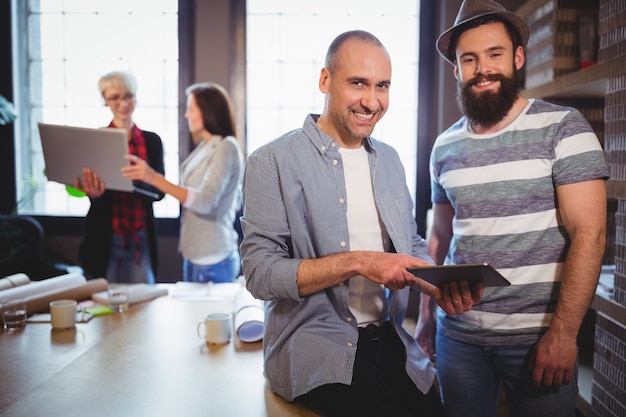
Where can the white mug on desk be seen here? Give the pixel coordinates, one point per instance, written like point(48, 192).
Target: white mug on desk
point(217, 328)
point(63, 314)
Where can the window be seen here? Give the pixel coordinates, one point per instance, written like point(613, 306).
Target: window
point(69, 45)
point(286, 45)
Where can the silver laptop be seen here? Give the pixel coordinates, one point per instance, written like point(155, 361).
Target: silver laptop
point(69, 149)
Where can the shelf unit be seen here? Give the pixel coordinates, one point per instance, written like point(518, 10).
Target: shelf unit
point(591, 82)
point(610, 308)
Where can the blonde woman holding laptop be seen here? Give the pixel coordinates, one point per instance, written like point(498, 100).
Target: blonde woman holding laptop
point(119, 240)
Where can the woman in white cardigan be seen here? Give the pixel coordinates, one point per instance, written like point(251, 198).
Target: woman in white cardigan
point(210, 187)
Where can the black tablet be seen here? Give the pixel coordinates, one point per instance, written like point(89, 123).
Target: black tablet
point(440, 274)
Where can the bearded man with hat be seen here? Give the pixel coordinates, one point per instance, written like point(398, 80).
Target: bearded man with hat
point(520, 184)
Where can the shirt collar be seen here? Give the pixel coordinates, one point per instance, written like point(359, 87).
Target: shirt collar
point(322, 141)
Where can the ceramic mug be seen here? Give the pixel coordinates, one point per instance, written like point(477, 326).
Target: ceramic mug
point(63, 314)
point(216, 328)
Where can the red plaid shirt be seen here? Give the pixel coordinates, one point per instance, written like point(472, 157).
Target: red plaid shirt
point(129, 212)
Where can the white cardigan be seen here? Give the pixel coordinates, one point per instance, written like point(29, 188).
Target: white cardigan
point(213, 172)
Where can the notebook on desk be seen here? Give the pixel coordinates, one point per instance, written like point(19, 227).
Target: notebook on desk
point(69, 149)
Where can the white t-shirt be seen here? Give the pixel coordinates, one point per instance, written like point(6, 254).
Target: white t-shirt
point(367, 300)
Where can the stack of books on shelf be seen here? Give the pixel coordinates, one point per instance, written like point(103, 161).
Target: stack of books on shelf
point(615, 155)
point(609, 252)
point(615, 128)
point(619, 285)
point(554, 47)
point(611, 29)
point(608, 389)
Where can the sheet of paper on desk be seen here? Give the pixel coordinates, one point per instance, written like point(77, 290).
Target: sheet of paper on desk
point(204, 291)
point(137, 293)
point(81, 317)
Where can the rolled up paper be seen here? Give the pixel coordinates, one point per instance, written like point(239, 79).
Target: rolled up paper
point(249, 316)
point(13, 281)
point(40, 303)
point(37, 288)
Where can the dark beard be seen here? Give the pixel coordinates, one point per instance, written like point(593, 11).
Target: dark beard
point(488, 108)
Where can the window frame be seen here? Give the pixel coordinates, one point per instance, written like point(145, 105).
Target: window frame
point(430, 74)
point(284, 69)
point(9, 159)
point(25, 129)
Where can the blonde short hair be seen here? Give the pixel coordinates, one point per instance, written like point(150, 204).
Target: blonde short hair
point(119, 79)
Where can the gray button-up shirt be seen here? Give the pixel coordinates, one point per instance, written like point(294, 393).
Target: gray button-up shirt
point(295, 209)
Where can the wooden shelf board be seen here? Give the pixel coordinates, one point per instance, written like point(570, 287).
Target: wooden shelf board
point(616, 189)
point(609, 308)
point(589, 82)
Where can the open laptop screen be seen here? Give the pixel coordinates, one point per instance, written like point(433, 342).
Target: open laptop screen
point(69, 149)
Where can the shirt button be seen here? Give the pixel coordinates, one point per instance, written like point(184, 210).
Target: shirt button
point(333, 145)
point(334, 162)
point(342, 244)
point(323, 148)
point(349, 319)
point(341, 201)
point(349, 344)
point(340, 284)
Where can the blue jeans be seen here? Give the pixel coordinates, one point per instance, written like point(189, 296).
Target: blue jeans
point(123, 267)
point(470, 377)
point(224, 271)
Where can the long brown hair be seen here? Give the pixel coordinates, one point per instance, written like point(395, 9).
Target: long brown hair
point(217, 110)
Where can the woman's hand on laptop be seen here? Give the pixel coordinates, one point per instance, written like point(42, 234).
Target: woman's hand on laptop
point(90, 184)
point(138, 170)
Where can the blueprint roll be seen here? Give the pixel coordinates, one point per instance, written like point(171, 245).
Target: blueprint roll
point(37, 288)
point(13, 281)
point(41, 302)
point(249, 316)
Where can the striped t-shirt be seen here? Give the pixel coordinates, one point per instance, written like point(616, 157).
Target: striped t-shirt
point(502, 188)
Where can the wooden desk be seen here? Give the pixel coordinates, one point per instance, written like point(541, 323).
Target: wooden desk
point(148, 361)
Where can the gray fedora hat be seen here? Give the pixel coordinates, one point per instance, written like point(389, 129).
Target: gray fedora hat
point(472, 9)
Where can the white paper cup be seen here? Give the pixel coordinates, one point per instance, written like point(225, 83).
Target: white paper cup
point(216, 328)
point(63, 314)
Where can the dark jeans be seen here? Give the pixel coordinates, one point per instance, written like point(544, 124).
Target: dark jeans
point(123, 265)
point(380, 385)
